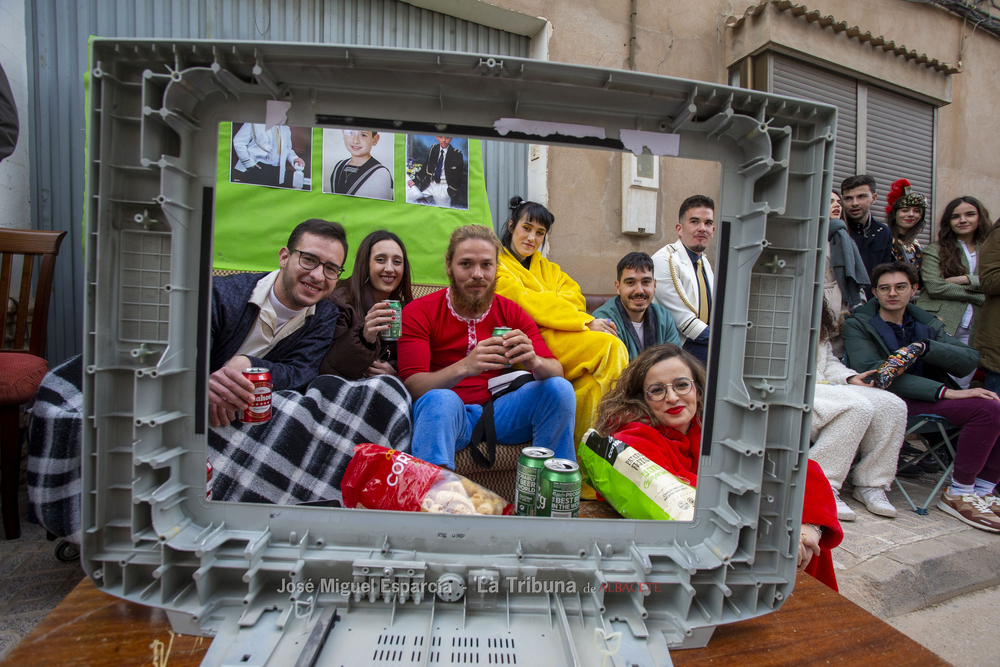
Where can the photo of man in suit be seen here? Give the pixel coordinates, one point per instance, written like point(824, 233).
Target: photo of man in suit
point(442, 178)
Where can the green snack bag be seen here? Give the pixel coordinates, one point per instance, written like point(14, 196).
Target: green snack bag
point(635, 486)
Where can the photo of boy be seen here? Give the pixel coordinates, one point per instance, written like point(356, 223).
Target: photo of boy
point(268, 157)
point(355, 170)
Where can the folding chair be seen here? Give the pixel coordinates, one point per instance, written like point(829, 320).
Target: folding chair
point(930, 424)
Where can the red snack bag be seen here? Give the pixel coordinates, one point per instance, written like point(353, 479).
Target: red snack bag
point(383, 479)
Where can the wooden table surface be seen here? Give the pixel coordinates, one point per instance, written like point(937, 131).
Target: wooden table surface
point(815, 626)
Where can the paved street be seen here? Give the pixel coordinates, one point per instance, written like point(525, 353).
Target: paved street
point(895, 566)
point(957, 630)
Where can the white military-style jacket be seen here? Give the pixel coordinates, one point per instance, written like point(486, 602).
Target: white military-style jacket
point(677, 287)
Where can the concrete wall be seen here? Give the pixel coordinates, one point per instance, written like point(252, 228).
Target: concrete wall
point(14, 187)
point(690, 40)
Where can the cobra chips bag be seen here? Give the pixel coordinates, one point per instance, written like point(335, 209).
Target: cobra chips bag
point(379, 478)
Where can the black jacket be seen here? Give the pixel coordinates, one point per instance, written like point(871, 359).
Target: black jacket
point(874, 241)
point(454, 171)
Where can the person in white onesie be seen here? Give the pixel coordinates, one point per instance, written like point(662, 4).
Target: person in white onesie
point(851, 417)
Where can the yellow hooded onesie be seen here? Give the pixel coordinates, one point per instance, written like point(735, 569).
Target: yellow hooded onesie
point(591, 360)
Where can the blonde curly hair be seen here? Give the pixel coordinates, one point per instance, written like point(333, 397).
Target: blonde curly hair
point(626, 402)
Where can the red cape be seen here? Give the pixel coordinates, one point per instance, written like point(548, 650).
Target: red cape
point(821, 509)
point(678, 453)
point(675, 452)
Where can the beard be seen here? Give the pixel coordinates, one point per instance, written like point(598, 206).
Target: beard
point(469, 303)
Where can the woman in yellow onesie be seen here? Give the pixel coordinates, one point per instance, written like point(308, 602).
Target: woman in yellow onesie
point(591, 355)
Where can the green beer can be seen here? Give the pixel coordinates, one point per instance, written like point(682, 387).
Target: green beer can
point(498, 332)
point(395, 330)
point(559, 489)
point(529, 467)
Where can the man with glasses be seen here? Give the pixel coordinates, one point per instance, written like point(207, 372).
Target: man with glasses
point(281, 320)
point(890, 322)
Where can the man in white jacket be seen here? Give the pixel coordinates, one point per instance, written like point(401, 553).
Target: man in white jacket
point(684, 277)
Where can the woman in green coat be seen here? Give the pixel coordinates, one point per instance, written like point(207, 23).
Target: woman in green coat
point(987, 339)
point(951, 284)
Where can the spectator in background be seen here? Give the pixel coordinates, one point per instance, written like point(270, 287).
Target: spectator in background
point(987, 339)
point(846, 275)
point(906, 215)
point(684, 277)
point(640, 322)
point(381, 273)
point(8, 118)
point(951, 285)
point(874, 240)
point(852, 418)
point(882, 326)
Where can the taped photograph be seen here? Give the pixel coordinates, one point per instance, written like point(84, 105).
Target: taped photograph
point(358, 163)
point(279, 157)
point(437, 171)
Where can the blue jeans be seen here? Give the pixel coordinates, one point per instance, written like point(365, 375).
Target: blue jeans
point(992, 382)
point(542, 411)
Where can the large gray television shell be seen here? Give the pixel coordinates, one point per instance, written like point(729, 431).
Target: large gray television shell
point(265, 579)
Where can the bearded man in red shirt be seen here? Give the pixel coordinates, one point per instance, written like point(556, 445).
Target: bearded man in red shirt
point(448, 355)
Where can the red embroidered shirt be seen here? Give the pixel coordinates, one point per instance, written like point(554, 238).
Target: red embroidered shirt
point(435, 337)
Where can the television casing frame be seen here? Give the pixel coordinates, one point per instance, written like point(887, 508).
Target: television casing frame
point(150, 536)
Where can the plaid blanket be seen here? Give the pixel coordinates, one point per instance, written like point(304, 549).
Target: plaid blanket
point(298, 456)
point(302, 453)
point(54, 450)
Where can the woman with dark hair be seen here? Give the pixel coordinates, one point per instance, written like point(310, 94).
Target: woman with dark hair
point(381, 273)
point(846, 276)
point(852, 418)
point(951, 289)
point(987, 339)
point(591, 354)
point(906, 215)
point(656, 408)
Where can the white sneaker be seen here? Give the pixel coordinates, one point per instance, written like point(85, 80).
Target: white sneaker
point(844, 513)
point(874, 499)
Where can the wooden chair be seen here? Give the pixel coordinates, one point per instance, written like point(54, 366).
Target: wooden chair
point(22, 362)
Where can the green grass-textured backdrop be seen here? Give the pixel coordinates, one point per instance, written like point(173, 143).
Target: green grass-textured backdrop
point(252, 222)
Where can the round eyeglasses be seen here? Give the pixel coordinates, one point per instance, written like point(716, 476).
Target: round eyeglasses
point(681, 386)
point(309, 262)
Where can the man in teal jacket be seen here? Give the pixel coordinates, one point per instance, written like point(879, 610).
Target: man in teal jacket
point(640, 322)
point(882, 326)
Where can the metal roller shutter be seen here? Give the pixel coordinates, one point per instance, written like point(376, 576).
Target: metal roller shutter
point(58, 58)
point(811, 83)
point(901, 145)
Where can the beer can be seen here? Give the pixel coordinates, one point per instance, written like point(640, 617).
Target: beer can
point(259, 410)
point(395, 330)
point(498, 332)
point(529, 466)
point(559, 489)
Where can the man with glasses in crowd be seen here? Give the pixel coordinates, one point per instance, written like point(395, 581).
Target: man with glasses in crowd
point(889, 322)
point(281, 321)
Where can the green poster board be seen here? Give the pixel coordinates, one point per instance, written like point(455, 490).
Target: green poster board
point(253, 222)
